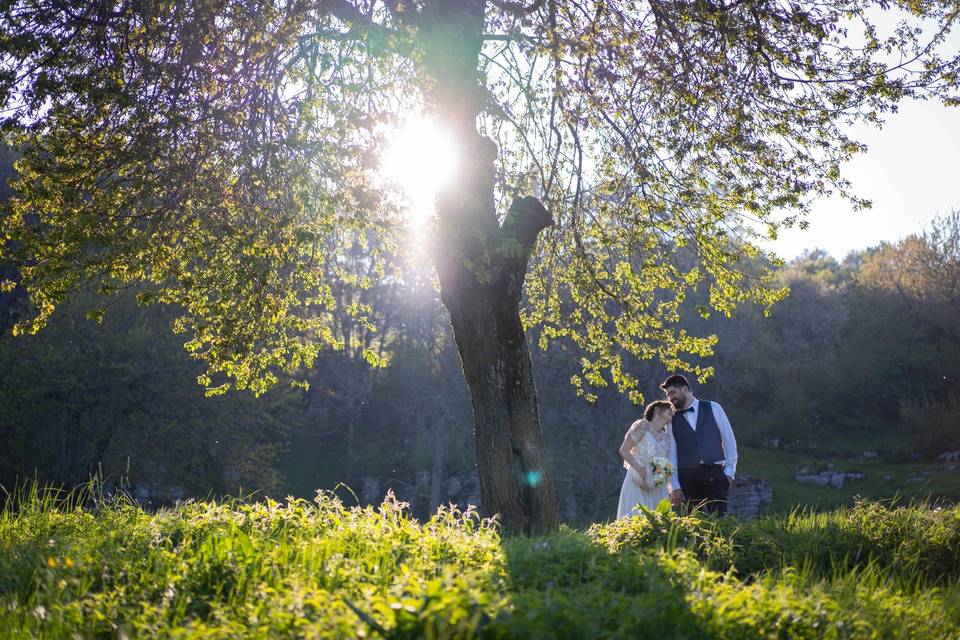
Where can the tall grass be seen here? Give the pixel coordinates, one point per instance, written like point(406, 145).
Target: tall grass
point(915, 542)
point(79, 565)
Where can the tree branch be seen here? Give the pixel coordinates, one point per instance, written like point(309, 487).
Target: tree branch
point(512, 37)
point(517, 8)
point(358, 23)
point(348, 13)
point(403, 13)
point(526, 218)
point(330, 34)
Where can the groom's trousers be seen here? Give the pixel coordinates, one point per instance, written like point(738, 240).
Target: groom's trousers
point(705, 487)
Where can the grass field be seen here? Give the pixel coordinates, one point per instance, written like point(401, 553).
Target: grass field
point(906, 481)
point(317, 569)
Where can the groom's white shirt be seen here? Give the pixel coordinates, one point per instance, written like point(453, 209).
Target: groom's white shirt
point(726, 437)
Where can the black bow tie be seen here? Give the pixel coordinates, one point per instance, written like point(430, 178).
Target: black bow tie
point(688, 409)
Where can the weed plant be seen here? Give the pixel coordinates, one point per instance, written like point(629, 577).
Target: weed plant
point(77, 565)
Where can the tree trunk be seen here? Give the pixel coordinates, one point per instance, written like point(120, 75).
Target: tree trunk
point(515, 479)
point(481, 265)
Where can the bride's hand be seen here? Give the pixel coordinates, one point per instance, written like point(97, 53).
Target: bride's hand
point(640, 478)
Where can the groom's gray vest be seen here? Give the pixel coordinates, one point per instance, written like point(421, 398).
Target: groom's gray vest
point(702, 445)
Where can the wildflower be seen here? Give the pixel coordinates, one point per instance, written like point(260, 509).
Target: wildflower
point(51, 562)
point(41, 612)
point(67, 562)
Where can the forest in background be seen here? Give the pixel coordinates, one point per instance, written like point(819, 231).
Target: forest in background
point(863, 355)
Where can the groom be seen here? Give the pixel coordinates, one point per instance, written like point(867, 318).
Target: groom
point(702, 450)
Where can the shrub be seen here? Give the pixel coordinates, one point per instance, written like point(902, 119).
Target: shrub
point(665, 530)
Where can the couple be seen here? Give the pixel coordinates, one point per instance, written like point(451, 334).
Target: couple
point(682, 447)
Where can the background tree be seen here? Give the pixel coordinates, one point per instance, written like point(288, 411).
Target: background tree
point(223, 153)
point(118, 400)
point(924, 271)
point(919, 278)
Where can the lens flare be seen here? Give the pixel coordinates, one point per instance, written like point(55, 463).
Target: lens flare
point(420, 158)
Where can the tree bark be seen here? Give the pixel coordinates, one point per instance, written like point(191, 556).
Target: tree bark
point(481, 266)
point(515, 479)
point(481, 269)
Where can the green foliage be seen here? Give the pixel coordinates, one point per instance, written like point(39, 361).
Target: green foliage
point(667, 531)
point(251, 570)
point(919, 543)
point(318, 569)
point(224, 155)
point(213, 193)
point(841, 367)
point(860, 357)
point(118, 399)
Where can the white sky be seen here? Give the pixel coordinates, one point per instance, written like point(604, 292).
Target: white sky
point(911, 172)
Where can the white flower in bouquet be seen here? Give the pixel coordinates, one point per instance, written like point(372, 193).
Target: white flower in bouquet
point(662, 470)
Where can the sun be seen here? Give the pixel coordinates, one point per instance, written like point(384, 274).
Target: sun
point(420, 157)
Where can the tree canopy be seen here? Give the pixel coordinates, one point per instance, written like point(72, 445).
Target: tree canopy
point(226, 152)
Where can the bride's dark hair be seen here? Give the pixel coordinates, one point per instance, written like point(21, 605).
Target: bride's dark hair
point(653, 407)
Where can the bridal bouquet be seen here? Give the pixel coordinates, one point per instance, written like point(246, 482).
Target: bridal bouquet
point(662, 470)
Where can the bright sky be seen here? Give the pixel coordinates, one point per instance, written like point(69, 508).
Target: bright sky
point(911, 172)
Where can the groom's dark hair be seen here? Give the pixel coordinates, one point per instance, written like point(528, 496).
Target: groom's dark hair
point(676, 380)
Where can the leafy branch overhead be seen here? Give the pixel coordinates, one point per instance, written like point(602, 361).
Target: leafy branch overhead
point(223, 156)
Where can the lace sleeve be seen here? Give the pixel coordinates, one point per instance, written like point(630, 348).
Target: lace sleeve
point(636, 431)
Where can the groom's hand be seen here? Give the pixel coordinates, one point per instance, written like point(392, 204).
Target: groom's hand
point(677, 498)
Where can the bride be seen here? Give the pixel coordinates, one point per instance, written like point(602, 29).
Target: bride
point(646, 439)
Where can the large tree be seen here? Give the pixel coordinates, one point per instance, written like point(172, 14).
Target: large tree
point(225, 154)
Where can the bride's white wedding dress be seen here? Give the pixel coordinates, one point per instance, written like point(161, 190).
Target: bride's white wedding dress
point(646, 446)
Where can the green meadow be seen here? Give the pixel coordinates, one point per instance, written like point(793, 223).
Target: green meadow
point(882, 480)
point(78, 566)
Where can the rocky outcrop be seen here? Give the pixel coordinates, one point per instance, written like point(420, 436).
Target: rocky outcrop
point(748, 497)
point(830, 478)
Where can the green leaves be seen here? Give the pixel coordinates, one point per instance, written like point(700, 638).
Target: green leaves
point(225, 155)
point(320, 569)
point(173, 158)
